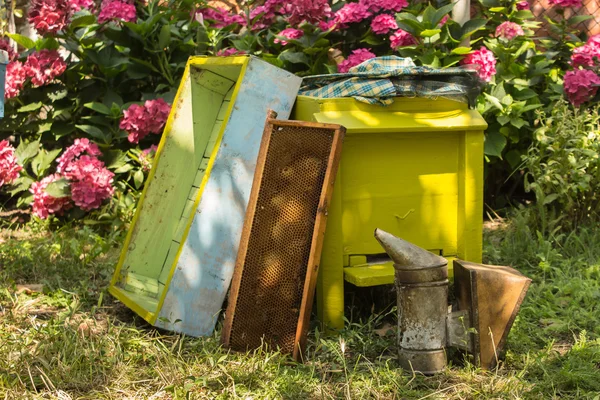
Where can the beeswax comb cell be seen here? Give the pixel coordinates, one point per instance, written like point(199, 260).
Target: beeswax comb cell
point(276, 269)
point(177, 261)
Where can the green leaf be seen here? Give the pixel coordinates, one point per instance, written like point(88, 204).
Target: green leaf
point(524, 14)
point(513, 157)
point(494, 101)
point(525, 94)
point(25, 151)
point(22, 184)
point(98, 107)
point(138, 178)
point(84, 20)
point(526, 45)
point(61, 128)
point(59, 188)
point(41, 163)
point(123, 169)
point(497, 9)
point(164, 37)
point(430, 32)
point(503, 119)
point(461, 50)
point(115, 159)
point(518, 122)
point(550, 198)
point(22, 40)
point(578, 19)
point(31, 107)
point(441, 12)
point(472, 26)
point(93, 132)
point(428, 16)
point(494, 144)
point(294, 57)
point(410, 26)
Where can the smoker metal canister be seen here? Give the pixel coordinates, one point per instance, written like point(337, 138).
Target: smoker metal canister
point(421, 280)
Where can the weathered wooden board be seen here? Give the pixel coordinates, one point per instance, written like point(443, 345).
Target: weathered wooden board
point(201, 277)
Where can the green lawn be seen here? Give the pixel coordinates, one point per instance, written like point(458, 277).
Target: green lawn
point(70, 339)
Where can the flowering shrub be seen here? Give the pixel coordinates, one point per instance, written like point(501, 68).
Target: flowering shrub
point(563, 163)
point(99, 81)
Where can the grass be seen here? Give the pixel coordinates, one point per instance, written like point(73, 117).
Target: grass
point(63, 337)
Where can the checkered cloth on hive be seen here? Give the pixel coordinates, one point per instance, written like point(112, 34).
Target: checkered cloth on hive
point(381, 79)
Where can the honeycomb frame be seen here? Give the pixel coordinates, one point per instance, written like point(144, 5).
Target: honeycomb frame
point(275, 276)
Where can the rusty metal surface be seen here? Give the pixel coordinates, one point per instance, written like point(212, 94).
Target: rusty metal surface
point(492, 295)
point(422, 292)
point(275, 274)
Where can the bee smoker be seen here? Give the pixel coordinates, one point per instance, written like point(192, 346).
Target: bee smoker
point(488, 300)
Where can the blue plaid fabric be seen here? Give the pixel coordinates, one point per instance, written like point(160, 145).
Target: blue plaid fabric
point(380, 79)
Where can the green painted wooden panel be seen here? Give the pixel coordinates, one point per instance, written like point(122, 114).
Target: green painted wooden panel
point(173, 249)
point(182, 153)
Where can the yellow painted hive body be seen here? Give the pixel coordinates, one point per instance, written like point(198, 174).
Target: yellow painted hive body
point(414, 169)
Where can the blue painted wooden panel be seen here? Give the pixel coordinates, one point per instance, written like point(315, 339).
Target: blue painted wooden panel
point(2, 77)
point(205, 267)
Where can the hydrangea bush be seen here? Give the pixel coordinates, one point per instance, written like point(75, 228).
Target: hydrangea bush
point(87, 102)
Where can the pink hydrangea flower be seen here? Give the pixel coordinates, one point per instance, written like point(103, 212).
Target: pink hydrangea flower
point(16, 76)
point(79, 147)
point(43, 66)
point(350, 13)
point(581, 85)
point(80, 167)
point(43, 204)
point(358, 56)
point(509, 30)
point(484, 60)
point(587, 55)
point(220, 17)
point(566, 3)
point(384, 5)
point(78, 5)
point(139, 120)
point(95, 187)
point(6, 46)
point(9, 169)
point(91, 182)
point(594, 41)
point(311, 11)
point(229, 52)
point(523, 5)
point(116, 10)
point(147, 156)
point(402, 38)
point(289, 33)
point(383, 23)
point(49, 16)
point(262, 17)
point(157, 113)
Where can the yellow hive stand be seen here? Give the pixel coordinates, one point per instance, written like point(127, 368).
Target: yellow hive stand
point(414, 169)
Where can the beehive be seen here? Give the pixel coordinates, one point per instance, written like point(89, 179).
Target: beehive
point(276, 269)
point(178, 257)
point(414, 169)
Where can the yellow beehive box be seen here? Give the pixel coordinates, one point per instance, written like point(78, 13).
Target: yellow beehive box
point(413, 168)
